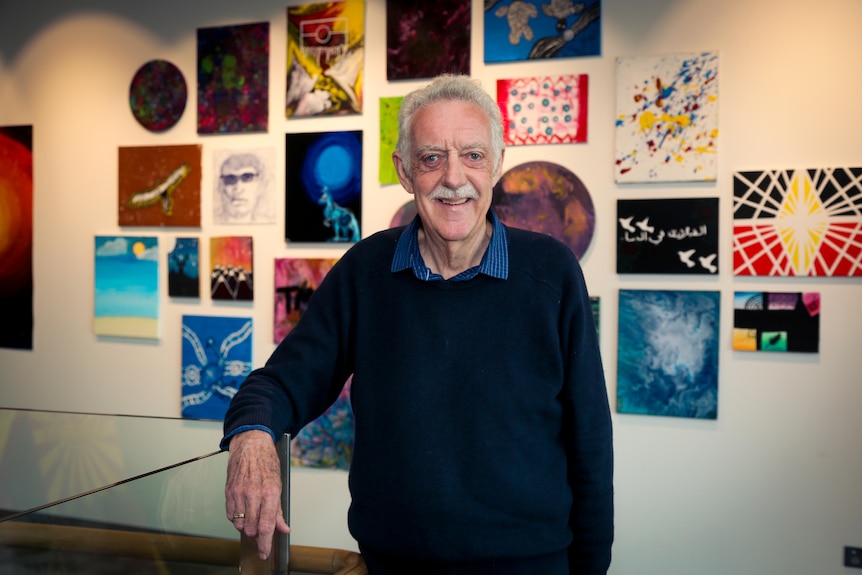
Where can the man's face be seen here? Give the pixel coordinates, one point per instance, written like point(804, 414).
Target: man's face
point(239, 187)
point(451, 150)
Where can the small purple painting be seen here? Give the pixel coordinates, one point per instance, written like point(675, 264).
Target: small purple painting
point(547, 198)
point(427, 38)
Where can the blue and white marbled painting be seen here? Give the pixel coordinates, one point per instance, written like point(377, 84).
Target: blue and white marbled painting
point(668, 353)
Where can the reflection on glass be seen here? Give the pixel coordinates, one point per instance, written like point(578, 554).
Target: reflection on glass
point(166, 521)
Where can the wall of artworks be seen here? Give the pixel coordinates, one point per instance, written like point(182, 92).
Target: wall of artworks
point(712, 167)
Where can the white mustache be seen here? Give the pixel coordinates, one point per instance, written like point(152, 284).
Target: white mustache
point(467, 191)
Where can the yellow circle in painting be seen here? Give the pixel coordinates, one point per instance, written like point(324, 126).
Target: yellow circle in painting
point(138, 248)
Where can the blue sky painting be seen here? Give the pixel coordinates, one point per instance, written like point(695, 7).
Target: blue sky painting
point(127, 286)
point(668, 353)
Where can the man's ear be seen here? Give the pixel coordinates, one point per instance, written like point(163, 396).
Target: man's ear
point(403, 176)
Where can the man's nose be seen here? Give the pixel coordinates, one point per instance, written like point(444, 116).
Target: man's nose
point(454, 174)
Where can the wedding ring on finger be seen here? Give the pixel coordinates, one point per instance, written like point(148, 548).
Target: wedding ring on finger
point(238, 516)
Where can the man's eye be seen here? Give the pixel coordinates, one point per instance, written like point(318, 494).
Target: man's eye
point(432, 158)
point(475, 156)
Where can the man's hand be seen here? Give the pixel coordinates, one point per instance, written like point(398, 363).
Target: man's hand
point(253, 488)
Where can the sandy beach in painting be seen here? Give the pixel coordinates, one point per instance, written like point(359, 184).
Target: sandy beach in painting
point(127, 327)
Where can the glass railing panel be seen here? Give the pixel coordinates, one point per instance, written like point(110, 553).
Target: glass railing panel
point(47, 456)
point(168, 521)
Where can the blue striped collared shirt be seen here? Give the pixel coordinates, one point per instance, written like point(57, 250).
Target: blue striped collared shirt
point(495, 262)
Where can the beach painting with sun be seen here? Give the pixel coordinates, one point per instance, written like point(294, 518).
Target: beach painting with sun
point(127, 287)
point(798, 222)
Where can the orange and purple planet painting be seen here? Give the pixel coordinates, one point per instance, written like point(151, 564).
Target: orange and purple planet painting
point(547, 198)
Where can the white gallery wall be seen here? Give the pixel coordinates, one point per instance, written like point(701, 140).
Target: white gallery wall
point(771, 486)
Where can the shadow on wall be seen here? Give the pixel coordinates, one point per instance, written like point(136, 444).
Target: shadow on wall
point(29, 19)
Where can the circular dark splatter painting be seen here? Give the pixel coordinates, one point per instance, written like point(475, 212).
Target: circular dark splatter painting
point(547, 198)
point(158, 95)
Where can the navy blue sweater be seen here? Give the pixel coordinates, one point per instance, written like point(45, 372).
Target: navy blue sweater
point(482, 420)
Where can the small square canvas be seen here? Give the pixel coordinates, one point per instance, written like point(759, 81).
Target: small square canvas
point(776, 321)
point(798, 222)
point(233, 78)
point(160, 186)
point(517, 30)
point(126, 286)
point(231, 273)
point(667, 236)
point(216, 359)
point(667, 118)
point(544, 110)
point(668, 353)
point(296, 279)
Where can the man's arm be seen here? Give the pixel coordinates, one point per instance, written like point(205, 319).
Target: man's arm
point(253, 488)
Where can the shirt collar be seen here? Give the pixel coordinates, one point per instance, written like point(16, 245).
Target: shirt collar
point(495, 261)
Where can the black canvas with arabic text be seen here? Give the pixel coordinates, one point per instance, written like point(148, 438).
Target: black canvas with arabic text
point(667, 236)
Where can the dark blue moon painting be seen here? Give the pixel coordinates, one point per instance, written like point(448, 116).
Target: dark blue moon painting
point(668, 353)
point(324, 187)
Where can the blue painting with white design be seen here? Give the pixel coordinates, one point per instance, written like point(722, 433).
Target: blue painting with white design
point(216, 356)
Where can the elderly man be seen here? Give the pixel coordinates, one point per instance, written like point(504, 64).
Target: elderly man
point(483, 433)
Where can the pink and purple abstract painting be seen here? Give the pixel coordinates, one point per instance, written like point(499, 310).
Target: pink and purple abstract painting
point(295, 282)
point(544, 110)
